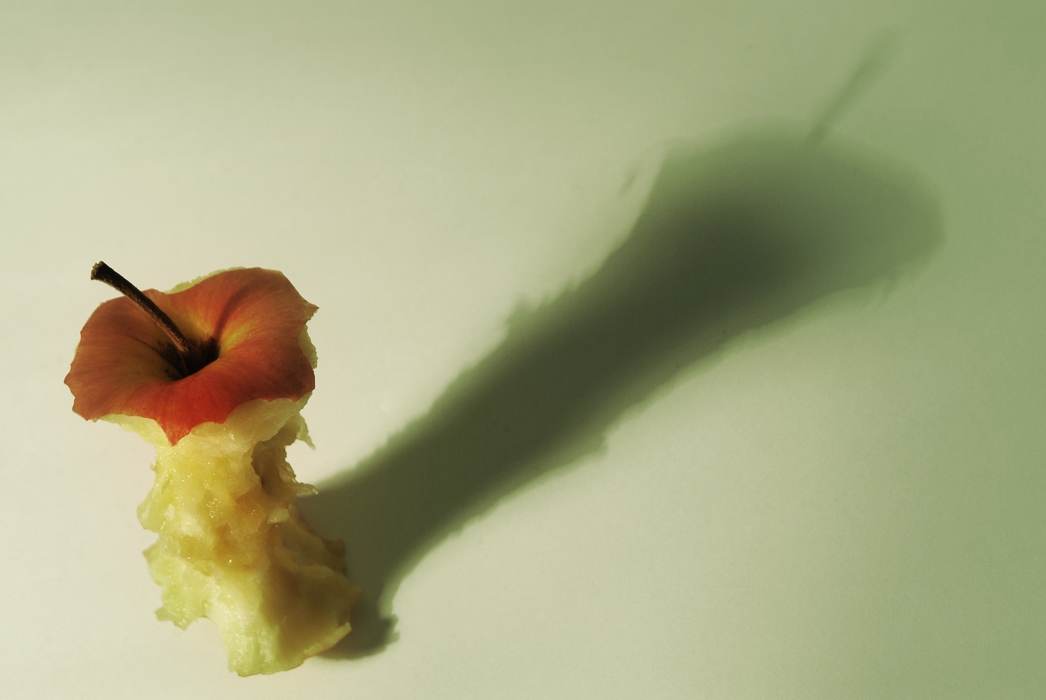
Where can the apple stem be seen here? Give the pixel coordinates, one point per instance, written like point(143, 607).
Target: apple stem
point(114, 279)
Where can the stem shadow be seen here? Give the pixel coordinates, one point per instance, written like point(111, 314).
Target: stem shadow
point(731, 238)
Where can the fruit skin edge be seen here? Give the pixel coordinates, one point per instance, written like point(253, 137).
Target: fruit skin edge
point(232, 546)
point(255, 319)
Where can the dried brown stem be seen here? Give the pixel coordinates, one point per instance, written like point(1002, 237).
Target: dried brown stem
point(114, 279)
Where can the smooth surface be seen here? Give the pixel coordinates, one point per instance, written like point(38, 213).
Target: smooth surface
point(846, 502)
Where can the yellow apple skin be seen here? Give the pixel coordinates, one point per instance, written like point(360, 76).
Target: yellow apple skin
point(232, 546)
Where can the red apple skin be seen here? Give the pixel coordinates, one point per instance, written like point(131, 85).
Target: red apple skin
point(255, 316)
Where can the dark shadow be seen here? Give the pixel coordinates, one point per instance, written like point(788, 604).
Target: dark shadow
point(731, 238)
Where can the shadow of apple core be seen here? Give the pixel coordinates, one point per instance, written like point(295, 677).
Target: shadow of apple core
point(732, 238)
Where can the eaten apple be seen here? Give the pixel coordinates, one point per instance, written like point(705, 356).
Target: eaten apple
point(214, 375)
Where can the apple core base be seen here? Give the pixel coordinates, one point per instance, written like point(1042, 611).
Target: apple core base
point(232, 546)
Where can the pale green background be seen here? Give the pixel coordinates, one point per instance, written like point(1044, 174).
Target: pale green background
point(848, 506)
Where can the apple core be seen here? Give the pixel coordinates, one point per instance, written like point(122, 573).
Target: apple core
point(214, 375)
